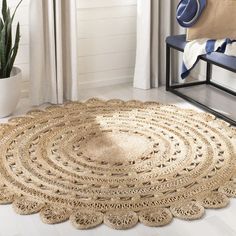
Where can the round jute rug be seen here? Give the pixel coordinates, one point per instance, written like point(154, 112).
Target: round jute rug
point(117, 163)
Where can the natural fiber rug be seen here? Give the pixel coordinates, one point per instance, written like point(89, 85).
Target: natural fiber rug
point(116, 162)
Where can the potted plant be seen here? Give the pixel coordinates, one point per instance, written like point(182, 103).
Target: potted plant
point(10, 76)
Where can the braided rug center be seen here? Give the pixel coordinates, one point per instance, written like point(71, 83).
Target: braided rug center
point(122, 147)
point(117, 163)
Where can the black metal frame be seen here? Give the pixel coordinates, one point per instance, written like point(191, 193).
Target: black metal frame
point(173, 88)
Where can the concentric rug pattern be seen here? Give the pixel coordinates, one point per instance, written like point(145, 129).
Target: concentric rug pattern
point(117, 163)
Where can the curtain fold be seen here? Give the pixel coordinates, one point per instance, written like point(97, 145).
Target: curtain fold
point(53, 51)
point(155, 21)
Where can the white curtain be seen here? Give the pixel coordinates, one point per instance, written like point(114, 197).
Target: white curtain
point(155, 21)
point(53, 51)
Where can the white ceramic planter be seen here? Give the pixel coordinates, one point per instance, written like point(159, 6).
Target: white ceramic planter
point(10, 92)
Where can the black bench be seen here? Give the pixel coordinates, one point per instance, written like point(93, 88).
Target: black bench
point(178, 42)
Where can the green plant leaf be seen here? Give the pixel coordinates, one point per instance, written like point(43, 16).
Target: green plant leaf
point(8, 50)
point(13, 16)
point(1, 24)
point(3, 50)
point(4, 9)
point(15, 50)
point(9, 35)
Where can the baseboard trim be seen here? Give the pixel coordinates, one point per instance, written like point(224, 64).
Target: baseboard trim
point(25, 87)
point(105, 82)
point(202, 77)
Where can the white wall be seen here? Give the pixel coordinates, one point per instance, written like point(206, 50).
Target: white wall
point(106, 41)
point(224, 77)
point(219, 75)
point(22, 60)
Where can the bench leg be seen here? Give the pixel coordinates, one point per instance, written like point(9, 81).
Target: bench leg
point(208, 73)
point(168, 82)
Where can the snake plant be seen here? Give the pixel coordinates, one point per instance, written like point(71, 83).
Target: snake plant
point(8, 48)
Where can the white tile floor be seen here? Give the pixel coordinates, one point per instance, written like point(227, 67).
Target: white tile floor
point(215, 222)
